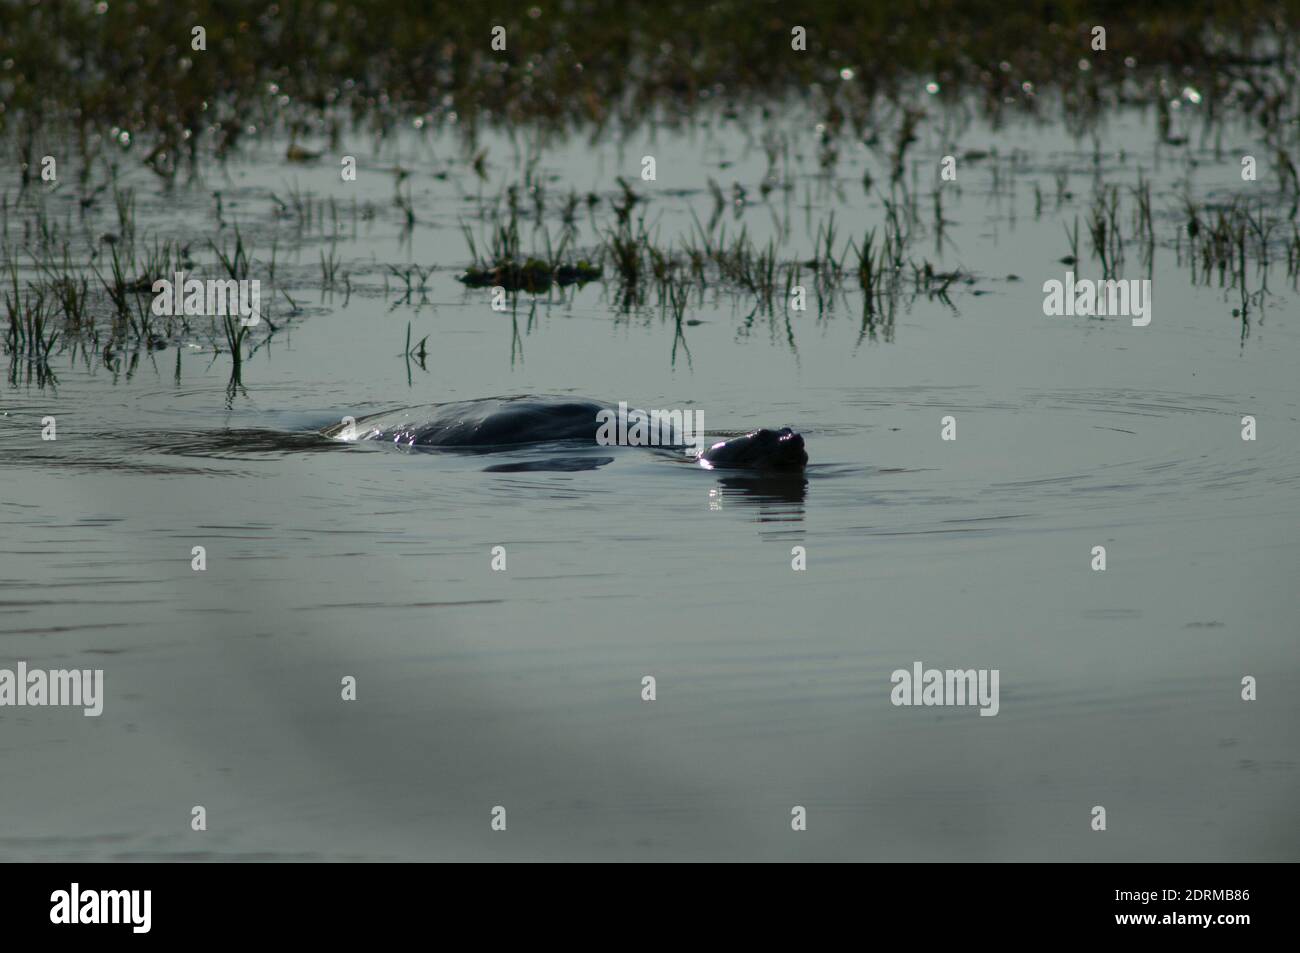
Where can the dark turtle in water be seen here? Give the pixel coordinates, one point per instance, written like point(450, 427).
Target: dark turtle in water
point(507, 422)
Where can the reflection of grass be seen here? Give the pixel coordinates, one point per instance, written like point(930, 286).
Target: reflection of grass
point(131, 68)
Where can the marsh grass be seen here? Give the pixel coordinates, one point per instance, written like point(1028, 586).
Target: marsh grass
point(329, 266)
point(124, 204)
point(414, 279)
point(69, 287)
point(503, 263)
point(643, 269)
point(94, 299)
point(235, 333)
point(407, 61)
point(417, 354)
point(235, 261)
point(30, 334)
point(432, 61)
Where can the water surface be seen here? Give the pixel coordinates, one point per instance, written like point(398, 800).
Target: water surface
point(523, 688)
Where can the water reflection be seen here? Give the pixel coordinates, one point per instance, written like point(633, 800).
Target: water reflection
point(778, 497)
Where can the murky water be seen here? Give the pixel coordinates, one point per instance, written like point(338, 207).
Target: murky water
point(522, 688)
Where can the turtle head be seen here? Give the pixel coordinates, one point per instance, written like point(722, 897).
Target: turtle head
point(761, 450)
